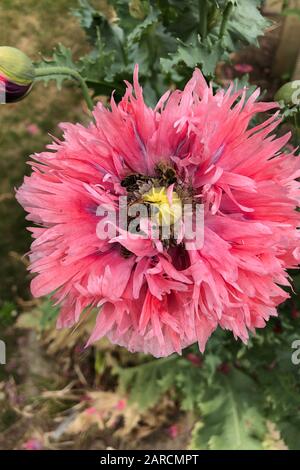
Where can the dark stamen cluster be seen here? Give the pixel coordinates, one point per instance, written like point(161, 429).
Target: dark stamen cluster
point(137, 184)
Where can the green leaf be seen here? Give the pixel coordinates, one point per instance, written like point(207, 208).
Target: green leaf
point(40, 318)
point(62, 57)
point(246, 23)
point(8, 312)
point(189, 384)
point(148, 382)
point(106, 37)
point(232, 419)
point(196, 54)
point(86, 14)
point(289, 430)
point(105, 67)
point(94, 21)
point(96, 69)
point(49, 314)
point(148, 42)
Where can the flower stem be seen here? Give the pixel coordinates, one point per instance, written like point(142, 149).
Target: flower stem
point(226, 15)
point(202, 8)
point(68, 72)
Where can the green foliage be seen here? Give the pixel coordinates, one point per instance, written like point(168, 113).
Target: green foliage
point(235, 390)
point(48, 314)
point(168, 39)
point(225, 34)
point(7, 314)
point(232, 419)
point(288, 97)
point(246, 23)
point(62, 57)
point(41, 318)
point(149, 381)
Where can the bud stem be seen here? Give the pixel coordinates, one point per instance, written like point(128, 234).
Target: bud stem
point(226, 14)
point(68, 72)
point(203, 11)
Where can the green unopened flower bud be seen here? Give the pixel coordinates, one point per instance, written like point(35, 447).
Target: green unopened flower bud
point(16, 74)
point(289, 93)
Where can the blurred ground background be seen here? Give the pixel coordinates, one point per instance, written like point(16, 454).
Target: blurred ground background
point(49, 378)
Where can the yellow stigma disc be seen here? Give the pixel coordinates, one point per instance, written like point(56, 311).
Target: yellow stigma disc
point(167, 214)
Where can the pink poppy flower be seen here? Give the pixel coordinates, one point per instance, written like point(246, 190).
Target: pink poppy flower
point(33, 444)
point(33, 129)
point(173, 431)
point(121, 405)
point(243, 68)
point(156, 295)
point(195, 359)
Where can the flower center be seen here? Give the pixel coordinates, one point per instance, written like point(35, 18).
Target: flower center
point(164, 195)
point(167, 204)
